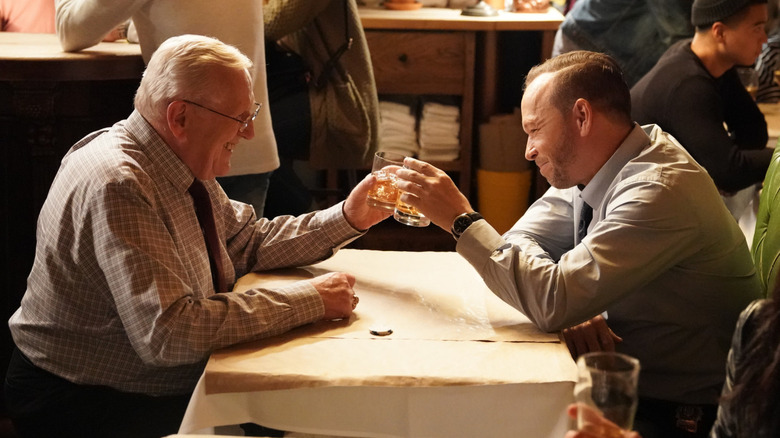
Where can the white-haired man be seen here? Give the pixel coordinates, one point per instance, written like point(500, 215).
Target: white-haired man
point(136, 240)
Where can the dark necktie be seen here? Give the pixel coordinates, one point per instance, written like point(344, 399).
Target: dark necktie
point(206, 219)
point(586, 214)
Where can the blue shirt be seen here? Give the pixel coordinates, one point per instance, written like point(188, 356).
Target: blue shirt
point(634, 32)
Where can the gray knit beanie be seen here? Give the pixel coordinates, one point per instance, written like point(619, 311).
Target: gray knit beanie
point(706, 12)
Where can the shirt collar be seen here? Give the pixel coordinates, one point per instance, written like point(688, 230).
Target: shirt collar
point(169, 164)
point(633, 144)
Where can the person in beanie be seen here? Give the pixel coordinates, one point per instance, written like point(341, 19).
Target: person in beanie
point(695, 94)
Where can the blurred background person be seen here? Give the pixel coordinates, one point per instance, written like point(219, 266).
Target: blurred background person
point(322, 93)
point(31, 16)
point(750, 404)
point(84, 23)
point(634, 32)
point(695, 93)
point(768, 61)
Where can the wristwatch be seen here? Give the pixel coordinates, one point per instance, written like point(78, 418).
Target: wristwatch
point(464, 221)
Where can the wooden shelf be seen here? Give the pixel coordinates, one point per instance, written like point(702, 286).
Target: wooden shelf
point(414, 62)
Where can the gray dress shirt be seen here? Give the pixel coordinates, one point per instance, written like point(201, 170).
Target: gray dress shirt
point(663, 257)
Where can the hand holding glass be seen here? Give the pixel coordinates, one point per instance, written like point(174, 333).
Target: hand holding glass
point(607, 382)
point(408, 215)
point(384, 193)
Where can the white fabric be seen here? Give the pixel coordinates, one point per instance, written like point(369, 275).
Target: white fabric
point(459, 363)
point(523, 410)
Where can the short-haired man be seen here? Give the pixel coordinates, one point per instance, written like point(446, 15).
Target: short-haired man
point(136, 240)
point(694, 93)
point(632, 226)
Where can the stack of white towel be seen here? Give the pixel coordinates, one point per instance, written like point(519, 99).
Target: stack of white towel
point(397, 128)
point(439, 132)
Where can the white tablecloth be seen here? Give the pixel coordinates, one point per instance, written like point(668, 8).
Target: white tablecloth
point(460, 362)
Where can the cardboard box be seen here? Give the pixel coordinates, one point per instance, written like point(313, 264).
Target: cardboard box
point(502, 144)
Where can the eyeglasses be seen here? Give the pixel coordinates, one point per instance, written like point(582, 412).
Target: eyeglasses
point(244, 123)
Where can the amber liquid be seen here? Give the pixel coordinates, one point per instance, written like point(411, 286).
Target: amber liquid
point(408, 215)
point(384, 193)
point(752, 90)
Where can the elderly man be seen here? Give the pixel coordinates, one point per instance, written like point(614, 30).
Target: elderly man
point(137, 240)
point(632, 226)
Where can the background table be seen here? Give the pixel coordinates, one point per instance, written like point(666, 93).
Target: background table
point(49, 99)
point(459, 362)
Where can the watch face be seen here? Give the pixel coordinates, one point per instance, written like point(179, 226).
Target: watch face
point(461, 223)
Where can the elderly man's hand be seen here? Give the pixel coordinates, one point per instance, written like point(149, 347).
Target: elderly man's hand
point(592, 335)
point(357, 212)
point(432, 192)
point(337, 294)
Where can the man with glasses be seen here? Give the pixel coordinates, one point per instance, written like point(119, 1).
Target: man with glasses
point(137, 242)
point(84, 23)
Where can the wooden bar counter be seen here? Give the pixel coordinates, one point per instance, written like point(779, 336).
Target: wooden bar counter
point(49, 99)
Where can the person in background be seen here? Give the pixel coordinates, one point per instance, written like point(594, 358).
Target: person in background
point(634, 32)
point(694, 93)
point(84, 23)
point(768, 61)
point(632, 230)
point(750, 404)
point(30, 16)
point(138, 248)
point(322, 90)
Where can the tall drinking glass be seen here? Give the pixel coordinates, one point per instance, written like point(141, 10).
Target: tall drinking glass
point(607, 382)
point(384, 193)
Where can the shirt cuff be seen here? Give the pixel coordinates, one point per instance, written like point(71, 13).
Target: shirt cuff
point(337, 228)
point(478, 243)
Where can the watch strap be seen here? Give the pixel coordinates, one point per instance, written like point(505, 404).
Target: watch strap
point(462, 222)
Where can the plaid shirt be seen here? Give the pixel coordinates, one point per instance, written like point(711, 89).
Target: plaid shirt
point(120, 293)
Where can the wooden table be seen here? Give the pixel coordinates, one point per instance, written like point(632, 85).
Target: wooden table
point(459, 362)
point(49, 99)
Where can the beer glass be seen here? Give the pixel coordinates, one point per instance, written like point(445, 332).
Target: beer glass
point(607, 382)
point(384, 193)
point(749, 78)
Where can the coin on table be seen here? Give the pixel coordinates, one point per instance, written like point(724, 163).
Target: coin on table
point(380, 331)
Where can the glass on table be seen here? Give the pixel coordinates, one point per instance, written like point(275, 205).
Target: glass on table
point(384, 193)
point(607, 382)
